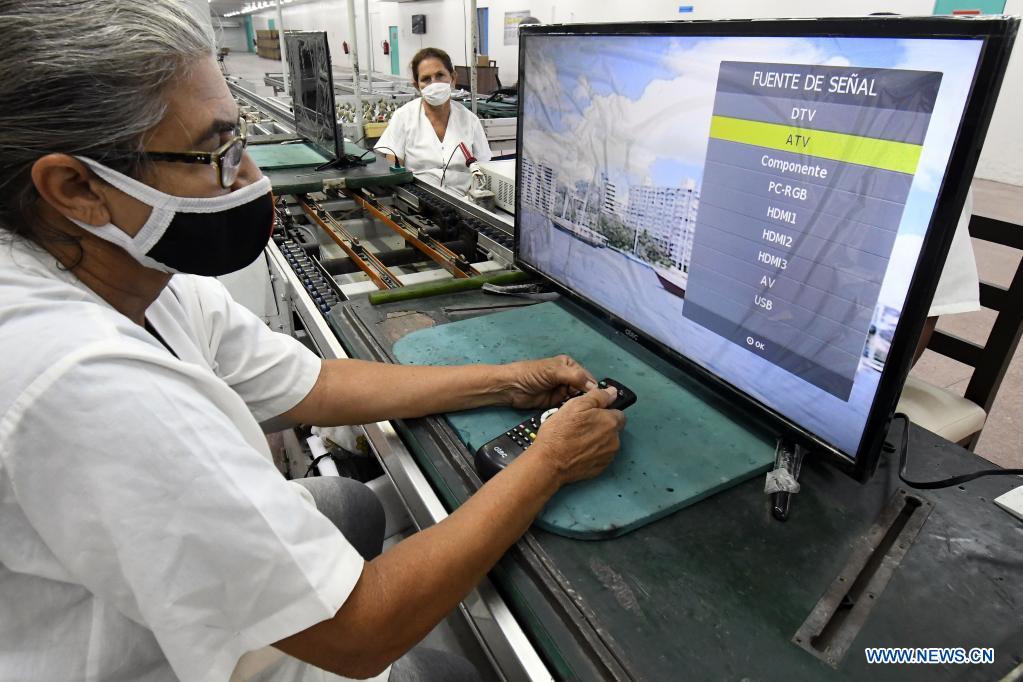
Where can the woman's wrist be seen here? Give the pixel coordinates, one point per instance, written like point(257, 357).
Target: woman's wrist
point(500, 381)
point(545, 475)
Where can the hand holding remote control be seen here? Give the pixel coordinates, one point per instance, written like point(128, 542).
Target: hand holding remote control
point(580, 436)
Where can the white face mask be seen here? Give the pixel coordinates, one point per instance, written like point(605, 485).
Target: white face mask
point(437, 93)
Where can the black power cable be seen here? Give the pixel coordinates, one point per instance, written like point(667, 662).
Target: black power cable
point(316, 460)
point(369, 151)
point(349, 464)
point(387, 148)
point(445, 172)
point(944, 482)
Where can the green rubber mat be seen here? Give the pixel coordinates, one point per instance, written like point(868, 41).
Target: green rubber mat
point(274, 156)
point(680, 445)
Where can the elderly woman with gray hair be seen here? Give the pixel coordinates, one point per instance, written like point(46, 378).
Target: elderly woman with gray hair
point(145, 533)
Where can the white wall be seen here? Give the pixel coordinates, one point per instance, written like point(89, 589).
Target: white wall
point(446, 28)
point(1002, 156)
point(228, 32)
point(315, 16)
point(581, 11)
point(230, 36)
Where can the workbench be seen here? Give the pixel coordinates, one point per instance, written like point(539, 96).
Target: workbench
point(377, 172)
point(718, 591)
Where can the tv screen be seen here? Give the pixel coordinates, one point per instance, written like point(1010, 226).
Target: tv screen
point(758, 198)
point(312, 88)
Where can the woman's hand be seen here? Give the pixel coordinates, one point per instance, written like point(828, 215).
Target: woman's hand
point(535, 384)
point(581, 439)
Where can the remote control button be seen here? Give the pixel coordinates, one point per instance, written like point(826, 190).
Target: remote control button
point(546, 415)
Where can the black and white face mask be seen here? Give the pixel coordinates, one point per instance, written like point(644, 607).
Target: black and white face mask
point(199, 236)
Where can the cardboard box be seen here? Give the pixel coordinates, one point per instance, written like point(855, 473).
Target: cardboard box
point(482, 60)
point(375, 128)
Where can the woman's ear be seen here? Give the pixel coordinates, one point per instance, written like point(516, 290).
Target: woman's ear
point(66, 184)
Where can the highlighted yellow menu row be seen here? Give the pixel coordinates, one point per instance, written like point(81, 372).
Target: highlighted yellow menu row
point(901, 157)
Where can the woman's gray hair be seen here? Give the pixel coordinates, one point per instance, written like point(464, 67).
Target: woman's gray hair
point(87, 78)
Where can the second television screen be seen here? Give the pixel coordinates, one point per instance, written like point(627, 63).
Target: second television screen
point(756, 204)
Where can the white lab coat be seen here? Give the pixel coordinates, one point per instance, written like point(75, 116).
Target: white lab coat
point(959, 285)
point(145, 533)
point(410, 134)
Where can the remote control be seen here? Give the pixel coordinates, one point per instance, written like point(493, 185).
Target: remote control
point(502, 451)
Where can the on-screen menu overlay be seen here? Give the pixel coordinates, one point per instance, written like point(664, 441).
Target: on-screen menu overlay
point(807, 173)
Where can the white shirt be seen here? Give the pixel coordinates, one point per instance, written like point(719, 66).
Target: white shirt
point(411, 136)
point(959, 285)
point(145, 533)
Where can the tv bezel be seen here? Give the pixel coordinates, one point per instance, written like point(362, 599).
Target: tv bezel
point(998, 34)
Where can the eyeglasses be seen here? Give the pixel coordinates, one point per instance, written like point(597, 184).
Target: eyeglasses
point(226, 159)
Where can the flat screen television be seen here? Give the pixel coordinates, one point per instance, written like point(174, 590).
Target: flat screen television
point(768, 203)
point(312, 92)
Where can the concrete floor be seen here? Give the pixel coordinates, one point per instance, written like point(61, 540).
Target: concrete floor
point(1002, 439)
point(251, 67)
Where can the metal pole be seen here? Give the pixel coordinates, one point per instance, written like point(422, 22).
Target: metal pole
point(355, 71)
point(369, 42)
point(475, 51)
point(284, 53)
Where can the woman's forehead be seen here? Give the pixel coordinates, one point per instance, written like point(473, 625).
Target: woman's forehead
point(195, 103)
point(431, 65)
